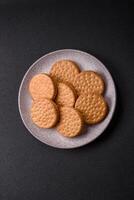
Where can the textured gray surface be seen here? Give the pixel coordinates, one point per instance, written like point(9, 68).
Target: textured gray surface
point(51, 136)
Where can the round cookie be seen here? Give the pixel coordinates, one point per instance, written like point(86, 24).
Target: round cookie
point(41, 86)
point(64, 71)
point(93, 107)
point(88, 81)
point(71, 122)
point(44, 113)
point(65, 95)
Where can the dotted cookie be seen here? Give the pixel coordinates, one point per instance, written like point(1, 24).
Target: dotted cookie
point(41, 86)
point(44, 113)
point(93, 107)
point(71, 122)
point(65, 95)
point(88, 81)
point(64, 71)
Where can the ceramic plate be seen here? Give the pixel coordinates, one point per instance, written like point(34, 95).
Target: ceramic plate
point(51, 136)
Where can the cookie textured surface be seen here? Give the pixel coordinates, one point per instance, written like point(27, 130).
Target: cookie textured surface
point(41, 86)
point(71, 122)
point(65, 95)
point(89, 81)
point(93, 107)
point(64, 71)
point(44, 113)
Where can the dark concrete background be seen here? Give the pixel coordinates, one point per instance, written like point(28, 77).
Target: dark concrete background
point(104, 169)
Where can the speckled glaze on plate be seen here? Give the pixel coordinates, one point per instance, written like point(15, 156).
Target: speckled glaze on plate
point(51, 136)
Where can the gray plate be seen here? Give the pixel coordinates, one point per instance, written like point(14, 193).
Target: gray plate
point(51, 136)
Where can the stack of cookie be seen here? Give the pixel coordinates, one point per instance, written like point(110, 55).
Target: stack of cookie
point(66, 98)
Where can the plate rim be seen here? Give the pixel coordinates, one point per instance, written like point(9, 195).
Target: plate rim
point(21, 84)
